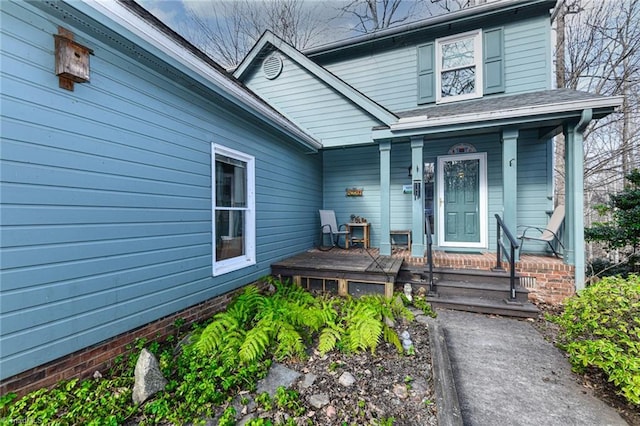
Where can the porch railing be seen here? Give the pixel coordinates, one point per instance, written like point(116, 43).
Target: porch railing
point(432, 291)
point(511, 256)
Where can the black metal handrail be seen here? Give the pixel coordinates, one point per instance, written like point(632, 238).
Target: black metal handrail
point(430, 257)
point(511, 257)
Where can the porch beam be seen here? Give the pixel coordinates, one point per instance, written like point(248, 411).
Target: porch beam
point(417, 205)
point(546, 133)
point(385, 197)
point(574, 196)
point(510, 180)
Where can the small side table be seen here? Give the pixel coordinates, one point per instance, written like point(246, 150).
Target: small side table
point(365, 233)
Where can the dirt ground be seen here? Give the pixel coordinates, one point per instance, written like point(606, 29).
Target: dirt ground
point(387, 385)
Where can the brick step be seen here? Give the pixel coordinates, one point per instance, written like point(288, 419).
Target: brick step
point(485, 306)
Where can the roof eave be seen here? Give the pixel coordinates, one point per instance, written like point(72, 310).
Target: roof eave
point(412, 126)
point(483, 10)
point(268, 39)
point(168, 48)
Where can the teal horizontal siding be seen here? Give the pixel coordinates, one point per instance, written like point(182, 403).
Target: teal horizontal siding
point(338, 175)
point(389, 76)
point(106, 194)
point(340, 172)
point(527, 55)
point(533, 193)
point(313, 105)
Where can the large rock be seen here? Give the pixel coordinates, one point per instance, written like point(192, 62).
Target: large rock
point(319, 400)
point(346, 379)
point(278, 375)
point(148, 378)
point(308, 381)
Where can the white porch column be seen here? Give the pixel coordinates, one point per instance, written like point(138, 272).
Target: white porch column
point(574, 197)
point(417, 205)
point(510, 181)
point(385, 197)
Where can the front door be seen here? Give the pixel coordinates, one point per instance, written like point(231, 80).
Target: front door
point(462, 200)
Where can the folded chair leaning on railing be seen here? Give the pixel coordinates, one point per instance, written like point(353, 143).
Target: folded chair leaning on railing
point(548, 234)
point(329, 226)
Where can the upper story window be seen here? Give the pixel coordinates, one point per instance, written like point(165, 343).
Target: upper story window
point(459, 67)
point(462, 66)
point(233, 209)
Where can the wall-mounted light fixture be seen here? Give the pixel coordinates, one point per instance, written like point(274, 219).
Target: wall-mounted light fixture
point(72, 60)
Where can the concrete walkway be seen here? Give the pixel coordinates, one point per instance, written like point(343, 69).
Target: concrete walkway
point(505, 373)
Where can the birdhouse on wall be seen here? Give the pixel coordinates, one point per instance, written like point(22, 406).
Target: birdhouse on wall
point(72, 59)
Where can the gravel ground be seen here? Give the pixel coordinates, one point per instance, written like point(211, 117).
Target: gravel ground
point(389, 388)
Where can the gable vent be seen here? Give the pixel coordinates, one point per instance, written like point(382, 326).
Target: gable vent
point(272, 66)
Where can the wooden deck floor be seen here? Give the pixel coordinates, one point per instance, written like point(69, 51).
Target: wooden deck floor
point(343, 271)
point(338, 270)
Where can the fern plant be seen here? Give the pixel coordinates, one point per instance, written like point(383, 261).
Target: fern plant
point(286, 321)
point(364, 327)
point(226, 335)
point(362, 323)
point(278, 324)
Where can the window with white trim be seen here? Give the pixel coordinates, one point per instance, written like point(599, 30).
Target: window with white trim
point(459, 67)
point(233, 210)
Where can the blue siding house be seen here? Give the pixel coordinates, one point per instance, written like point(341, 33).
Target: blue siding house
point(158, 184)
point(138, 178)
point(464, 114)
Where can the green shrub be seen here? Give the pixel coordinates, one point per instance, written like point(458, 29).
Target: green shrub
point(623, 231)
point(601, 328)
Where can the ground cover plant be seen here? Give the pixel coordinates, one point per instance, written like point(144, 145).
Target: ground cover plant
point(600, 328)
point(223, 359)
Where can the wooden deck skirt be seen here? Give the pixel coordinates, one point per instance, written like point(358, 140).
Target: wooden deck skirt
point(335, 272)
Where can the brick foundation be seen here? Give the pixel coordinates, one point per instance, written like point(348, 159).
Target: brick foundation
point(100, 357)
point(552, 282)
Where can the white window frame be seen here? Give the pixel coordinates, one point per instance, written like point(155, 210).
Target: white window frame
point(477, 56)
point(249, 256)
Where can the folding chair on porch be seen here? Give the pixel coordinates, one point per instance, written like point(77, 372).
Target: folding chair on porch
point(548, 234)
point(329, 226)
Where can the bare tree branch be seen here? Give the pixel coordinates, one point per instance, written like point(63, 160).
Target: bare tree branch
point(375, 15)
point(600, 54)
point(227, 30)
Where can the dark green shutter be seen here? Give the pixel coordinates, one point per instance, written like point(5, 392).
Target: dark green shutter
point(426, 74)
point(493, 61)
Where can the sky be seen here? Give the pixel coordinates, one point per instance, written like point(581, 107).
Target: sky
point(175, 14)
point(171, 12)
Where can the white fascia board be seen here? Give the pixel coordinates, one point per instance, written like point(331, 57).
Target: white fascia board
point(247, 61)
point(321, 73)
point(410, 123)
point(217, 81)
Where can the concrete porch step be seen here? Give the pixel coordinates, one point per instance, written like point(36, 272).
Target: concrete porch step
point(473, 290)
point(485, 290)
point(471, 275)
point(485, 306)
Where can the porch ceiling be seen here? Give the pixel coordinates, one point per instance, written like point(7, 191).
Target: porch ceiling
point(543, 110)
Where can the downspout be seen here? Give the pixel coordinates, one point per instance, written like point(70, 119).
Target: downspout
point(585, 119)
